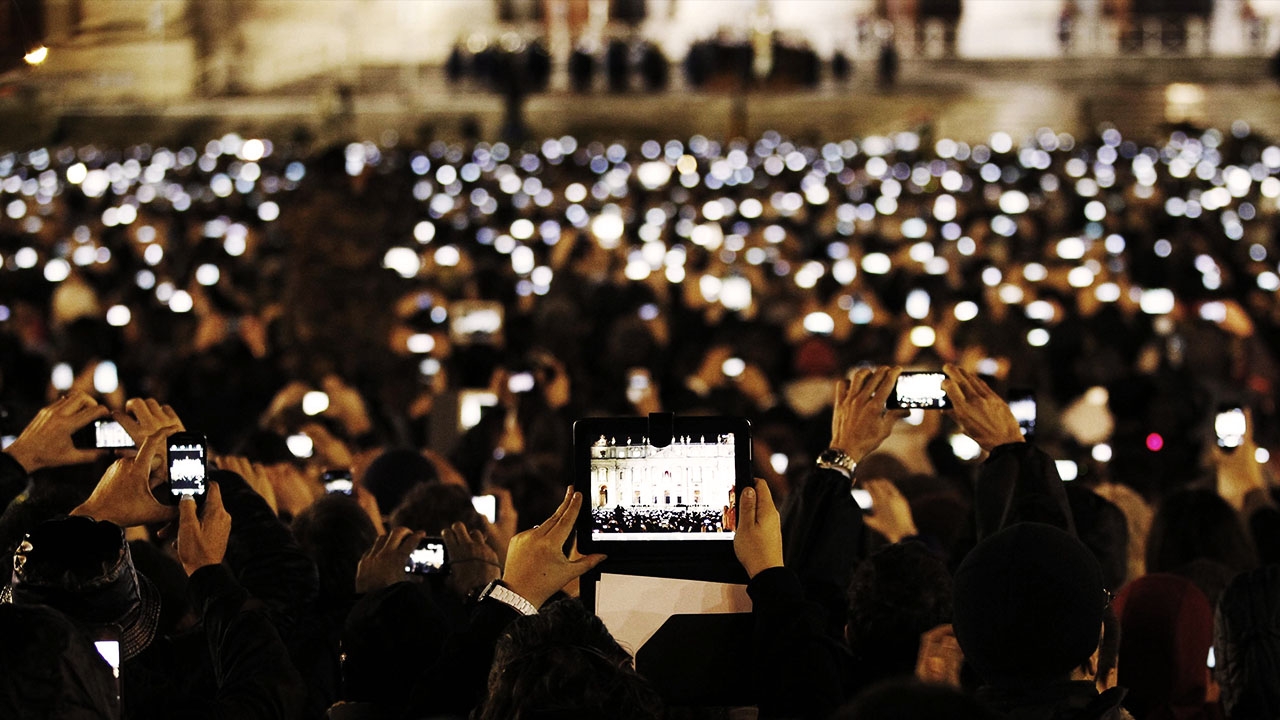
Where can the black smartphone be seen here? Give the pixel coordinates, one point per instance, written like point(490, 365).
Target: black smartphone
point(1023, 405)
point(338, 481)
point(1229, 426)
point(188, 463)
point(431, 557)
point(919, 390)
point(102, 433)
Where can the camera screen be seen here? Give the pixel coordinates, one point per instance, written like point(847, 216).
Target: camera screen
point(475, 321)
point(471, 405)
point(186, 469)
point(486, 505)
point(521, 382)
point(920, 390)
point(428, 558)
point(1024, 411)
point(684, 491)
point(341, 486)
point(863, 498)
point(111, 434)
point(1230, 428)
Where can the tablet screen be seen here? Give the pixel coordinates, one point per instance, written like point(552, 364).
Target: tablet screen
point(680, 494)
point(684, 491)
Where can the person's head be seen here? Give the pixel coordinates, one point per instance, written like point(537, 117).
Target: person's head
point(1029, 605)
point(49, 668)
point(1102, 527)
point(84, 569)
point(434, 507)
point(563, 663)
point(394, 473)
point(335, 531)
point(896, 595)
point(908, 699)
point(1197, 525)
point(1246, 631)
point(1164, 649)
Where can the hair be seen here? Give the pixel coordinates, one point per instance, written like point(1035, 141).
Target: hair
point(335, 531)
point(394, 473)
point(536, 489)
point(1197, 525)
point(1246, 632)
point(563, 663)
point(1103, 528)
point(912, 700)
point(896, 594)
point(434, 507)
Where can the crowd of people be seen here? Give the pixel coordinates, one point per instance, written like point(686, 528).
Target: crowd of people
point(433, 319)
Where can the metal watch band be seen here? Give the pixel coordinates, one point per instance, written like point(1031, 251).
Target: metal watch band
point(508, 597)
point(838, 460)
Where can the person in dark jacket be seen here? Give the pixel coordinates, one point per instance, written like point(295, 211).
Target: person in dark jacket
point(1029, 608)
point(1246, 641)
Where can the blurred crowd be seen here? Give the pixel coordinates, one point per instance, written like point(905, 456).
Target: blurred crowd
point(433, 319)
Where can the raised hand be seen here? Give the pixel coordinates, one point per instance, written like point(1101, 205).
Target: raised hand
point(46, 441)
point(144, 416)
point(758, 539)
point(202, 538)
point(255, 476)
point(472, 563)
point(859, 421)
point(983, 414)
point(123, 495)
point(536, 564)
point(383, 564)
point(892, 514)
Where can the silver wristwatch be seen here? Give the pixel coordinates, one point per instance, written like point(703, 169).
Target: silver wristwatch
point(838, 460)
point(508, 597)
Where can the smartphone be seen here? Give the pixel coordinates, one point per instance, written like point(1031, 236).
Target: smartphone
point(337, 482)
point(521, 382)
point(863, 498)
point(921, 390)
point(106, 640)
point(471, 405)
point(429, 558)
point(486, 505)
point(102, 433)
point(1229, 425)
point(6, 441)
point(733, 367)
point(1067, 469)
point(638, 385)
point(1023, 405)
point(188, 463)
point(475, 322)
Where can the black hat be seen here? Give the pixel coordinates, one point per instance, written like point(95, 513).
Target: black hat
point(1029, 602)
point(83, 568)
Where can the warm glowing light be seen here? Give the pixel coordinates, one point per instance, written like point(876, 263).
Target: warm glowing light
point(37, 56)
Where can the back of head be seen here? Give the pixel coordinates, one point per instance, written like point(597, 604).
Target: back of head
point(1029, 604)
point(913, 700)
point(534, 482)
point(49, 669)
point(1103, 528)
point(432, 508)
point(394, 473)
point(335, 531)
point(896, 594)
point(84, 568)
point(1247, 645)
point(1197, 524)
point(1166, 631)
point(563, 663)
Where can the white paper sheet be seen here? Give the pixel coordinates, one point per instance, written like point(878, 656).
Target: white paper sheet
point(634, 607)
